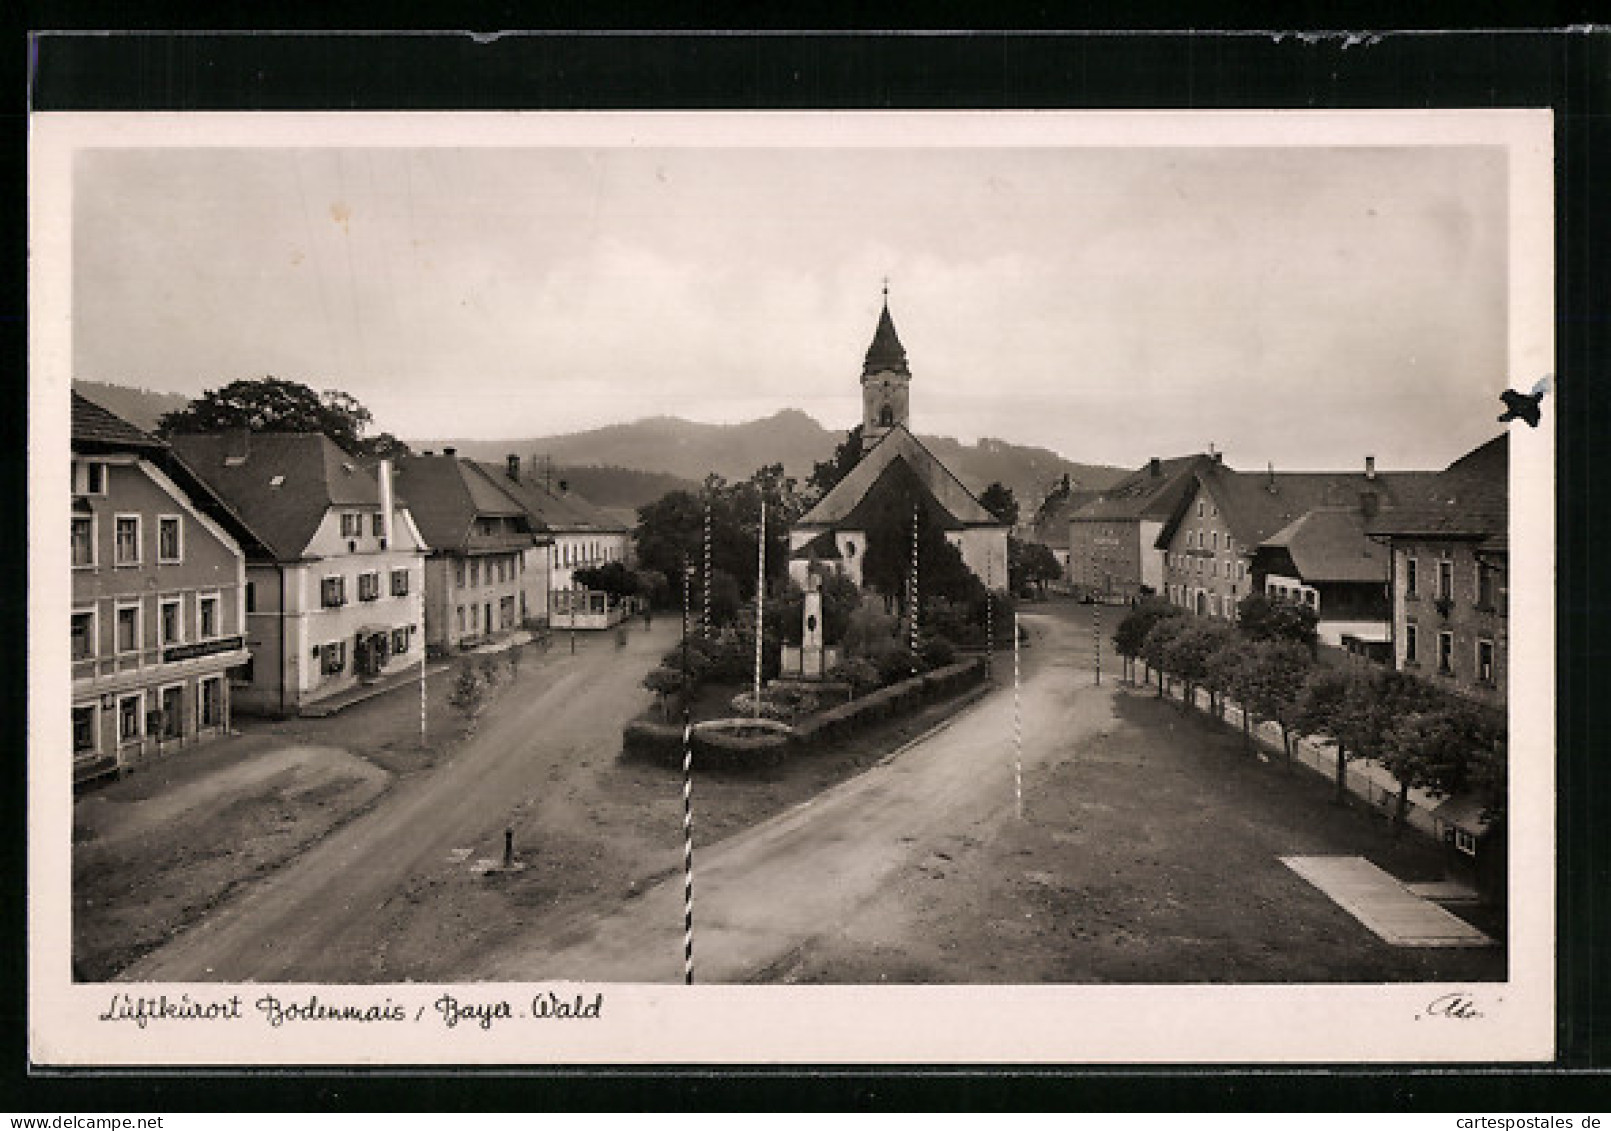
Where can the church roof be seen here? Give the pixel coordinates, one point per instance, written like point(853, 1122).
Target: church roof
point(886, 352)
point(898, 445)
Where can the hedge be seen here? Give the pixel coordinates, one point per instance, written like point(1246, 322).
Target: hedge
point(661, 743)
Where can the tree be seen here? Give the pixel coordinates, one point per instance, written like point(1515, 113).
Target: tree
point(1272, 683)
point(1425, 750)
point(468, 692)
point(383, 446)
point(1265, 618)
point(1229, 671)
point(826, 474)
point(1189, 651)
point(269, 404)
point(1155, 648)
point(999, 500)
point(613, 578)
point(1030, 564)
point(839, 600)
point(1321, 710)
point(1132, 630)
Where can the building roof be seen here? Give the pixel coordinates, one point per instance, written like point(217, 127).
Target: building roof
point(446, 495)
point(1050, 528)
point(281, 483)
point(95, 427)
point(563, 512)
point(886, 351)
point(1256, 505)
point(1469, 499)
point(1329, 544)
point(898, 447)
point(1145, 493)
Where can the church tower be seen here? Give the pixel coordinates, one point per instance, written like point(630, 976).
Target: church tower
point(885, 381)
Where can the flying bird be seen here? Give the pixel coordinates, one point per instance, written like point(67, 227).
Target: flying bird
point(1524, 406)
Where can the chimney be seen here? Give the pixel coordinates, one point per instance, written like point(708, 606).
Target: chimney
point(512, 464)
point(1370, 467)
point(1155, 467)
point(1269, 484)
point(450, 451)
point(1219, 457)
point(384, 473)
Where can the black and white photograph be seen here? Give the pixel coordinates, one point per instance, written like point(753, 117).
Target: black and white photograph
point(551, 588)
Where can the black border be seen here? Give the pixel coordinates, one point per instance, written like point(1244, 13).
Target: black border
point(1567, 71)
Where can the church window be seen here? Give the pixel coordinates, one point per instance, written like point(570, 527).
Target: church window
point(886, 416)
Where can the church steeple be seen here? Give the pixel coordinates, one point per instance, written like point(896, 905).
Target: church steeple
point(885, 377)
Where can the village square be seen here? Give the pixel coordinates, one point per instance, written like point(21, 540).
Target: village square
point(348, 710)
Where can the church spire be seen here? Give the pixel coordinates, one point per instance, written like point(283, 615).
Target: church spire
point(886, 353)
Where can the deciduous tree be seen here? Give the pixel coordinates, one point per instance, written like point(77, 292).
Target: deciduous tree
point(270, 404)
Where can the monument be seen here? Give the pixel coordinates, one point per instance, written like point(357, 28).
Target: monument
point(812, 660)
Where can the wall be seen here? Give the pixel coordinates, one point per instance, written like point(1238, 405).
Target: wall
point(1106, 555)
point(1467, 622)
point(1219, 568)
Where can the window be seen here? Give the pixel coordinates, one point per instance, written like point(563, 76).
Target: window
point(128, 628)
point(128, 539)
point(83, 541)
point(399, 641)
point(89, 478)
point(172, 723)
point(461, 618)
point(335, 658)
point(475, 574)
point(458, 574)
point(1446, 579)
point(1411, 578)
point(171, 622)
point(1446, 653)
point(333, 592)
point(399, 583)
point(1486, 587)
point(84, 634)
point(84, 731)
point(1230, 544)
point(1485, 661)
point(1410, 654)
point(1216, 541)
point(207, 615)
point(1199, 508)
point(170, 547)
point(368, 586)
point(377, 526)
point(251, 596)
point(130, 720)
point(1463, 841)
point(212, 703)
point(352, 525)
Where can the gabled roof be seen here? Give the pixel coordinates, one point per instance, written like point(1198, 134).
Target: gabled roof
point(446, 495)
point(281, 483)
point(1469, 499)
point(1050, 528)
point(98, 430)
point(1329, 544)
point(1255, 505)
point(898, 446)
point(93, 427)
point(886, 352)
point(561, 513)
point(1144, 494)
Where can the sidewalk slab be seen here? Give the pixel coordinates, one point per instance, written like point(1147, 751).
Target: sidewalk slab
point(1383, 904)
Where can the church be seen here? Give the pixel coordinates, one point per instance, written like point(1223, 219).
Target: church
point(895, 466)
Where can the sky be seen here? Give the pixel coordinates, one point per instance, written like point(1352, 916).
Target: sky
point(1302, 306)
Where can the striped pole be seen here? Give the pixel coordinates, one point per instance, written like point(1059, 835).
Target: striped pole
point(1096, 636)
point(704, 612)
point(990, 616)
point(760, 604)
point(1017, 725)
point(422, 663)
point(914, 592)
point(687, 849)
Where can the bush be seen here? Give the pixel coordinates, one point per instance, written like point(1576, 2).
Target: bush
point(861, 674)
point(938, 652)
point(896, 664)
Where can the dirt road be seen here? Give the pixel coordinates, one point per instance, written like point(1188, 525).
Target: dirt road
point(328, 915)
point(764, 893)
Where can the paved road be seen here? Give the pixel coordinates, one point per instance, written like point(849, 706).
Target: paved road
point(305, 922)
point(762, 894)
